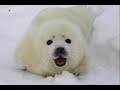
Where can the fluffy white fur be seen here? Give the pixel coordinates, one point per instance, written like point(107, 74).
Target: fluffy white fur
point(36, 56)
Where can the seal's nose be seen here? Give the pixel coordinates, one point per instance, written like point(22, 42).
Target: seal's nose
point(60, 49)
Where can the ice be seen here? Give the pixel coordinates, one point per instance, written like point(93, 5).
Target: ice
point(103, 48)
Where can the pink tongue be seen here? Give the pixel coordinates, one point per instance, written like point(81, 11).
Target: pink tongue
point(60, 61)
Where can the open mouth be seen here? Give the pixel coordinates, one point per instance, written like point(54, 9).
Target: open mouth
point(60, 61)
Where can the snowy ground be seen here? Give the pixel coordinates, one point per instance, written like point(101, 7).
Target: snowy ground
point(104, 48)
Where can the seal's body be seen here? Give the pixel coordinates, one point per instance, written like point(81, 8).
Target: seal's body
point(56, 41)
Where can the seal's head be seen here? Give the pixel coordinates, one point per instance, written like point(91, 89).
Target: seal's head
point(61, 42)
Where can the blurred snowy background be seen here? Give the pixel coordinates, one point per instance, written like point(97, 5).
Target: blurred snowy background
point(104, 48)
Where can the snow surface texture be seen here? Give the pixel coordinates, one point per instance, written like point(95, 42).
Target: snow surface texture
point(104, 48)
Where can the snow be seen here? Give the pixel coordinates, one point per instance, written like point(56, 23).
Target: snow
point(103, 48)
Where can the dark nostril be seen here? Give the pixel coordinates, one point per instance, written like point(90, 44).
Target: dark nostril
point(60, 49)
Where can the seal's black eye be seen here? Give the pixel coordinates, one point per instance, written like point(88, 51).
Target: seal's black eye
point(68, 41)
point(49, 42)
